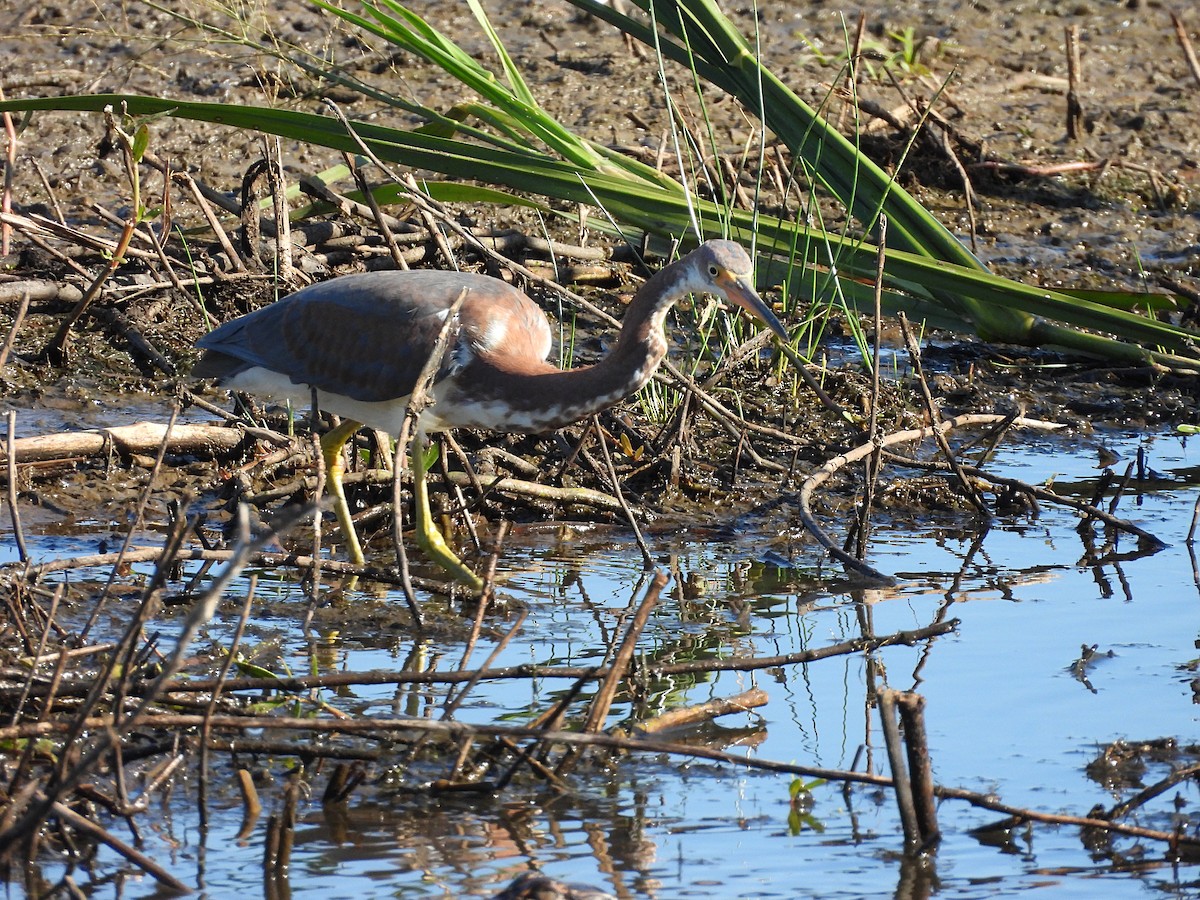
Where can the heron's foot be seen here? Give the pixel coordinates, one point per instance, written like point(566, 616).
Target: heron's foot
point(335, 468)
point(430, 540)
point(349, 535)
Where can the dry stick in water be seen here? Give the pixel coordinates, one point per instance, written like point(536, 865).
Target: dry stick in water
point(1120, 491)
point(418, 401)
point(47, 626)
point(251, 805)
point(1178, 776)
point(13, 512)
point(109, 732)
point(703, 712)
point(874, 461)
point(900, 780)
point(485, 602)
point(935, 416)
point(602, 702)
point(281, 835)
point(607, 691)
point(823, 474)
point(920, 770)
point(206, 730)
point(459, 730)
point(135, 856)
point(263, 558)
point(1040, 493)
point(332, 680)
point(135, 524)
point(21, 771)
point(602, 436)
point(912, 775)
point(453, 703)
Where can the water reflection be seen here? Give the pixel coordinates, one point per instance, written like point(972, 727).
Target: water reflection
point(1014, 706)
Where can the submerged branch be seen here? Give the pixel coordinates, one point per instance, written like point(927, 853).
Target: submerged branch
point(823, 474)
point(304, 683)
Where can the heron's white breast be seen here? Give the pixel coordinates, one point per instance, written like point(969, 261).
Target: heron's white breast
point(386, 415)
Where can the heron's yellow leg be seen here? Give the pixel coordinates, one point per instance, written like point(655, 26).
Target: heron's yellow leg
point(335, 467)
point(429, 538)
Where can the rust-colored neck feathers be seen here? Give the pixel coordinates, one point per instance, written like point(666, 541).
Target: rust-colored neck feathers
point(517, 394)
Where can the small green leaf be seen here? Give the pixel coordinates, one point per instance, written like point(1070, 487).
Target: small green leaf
point(141, 141)
point(429, 457)
point(253, 671)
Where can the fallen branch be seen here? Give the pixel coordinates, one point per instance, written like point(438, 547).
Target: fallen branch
point(1087, 509)
point(39, 290)
point(380, 728)
point(823, 474)
point(141, 437)
point(703, 712)
point(332, 680)
point(135, 856)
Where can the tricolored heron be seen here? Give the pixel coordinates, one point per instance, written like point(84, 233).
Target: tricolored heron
point(361, 341)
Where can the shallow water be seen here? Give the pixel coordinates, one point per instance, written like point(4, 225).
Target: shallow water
point(1006, 712)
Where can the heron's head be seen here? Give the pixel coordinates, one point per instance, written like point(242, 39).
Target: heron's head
point(724, 268)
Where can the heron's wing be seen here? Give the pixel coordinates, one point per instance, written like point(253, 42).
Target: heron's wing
point(368, 336)
point(362, 336)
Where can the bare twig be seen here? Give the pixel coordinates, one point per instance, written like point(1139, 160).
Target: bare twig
point(13, 512)
point(602, 702)
point(135, 856)
point(11, 340)
point(139, 512)
point(1185, 42)
point(602, 437)
point(456, 731)
point(333, 680)
point(931, 407)
point(1074, 108)
point(823, 474)
point(703, 712)
point(1042, 493)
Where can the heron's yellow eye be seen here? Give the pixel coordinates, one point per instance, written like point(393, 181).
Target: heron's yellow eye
point(713, 270)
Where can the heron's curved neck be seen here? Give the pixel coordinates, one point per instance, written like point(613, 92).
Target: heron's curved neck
point(642, 342)
point(535, 397)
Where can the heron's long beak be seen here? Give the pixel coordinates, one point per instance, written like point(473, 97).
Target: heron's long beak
point(740, 290)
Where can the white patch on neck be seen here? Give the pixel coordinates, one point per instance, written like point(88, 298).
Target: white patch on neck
point(493, 336)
